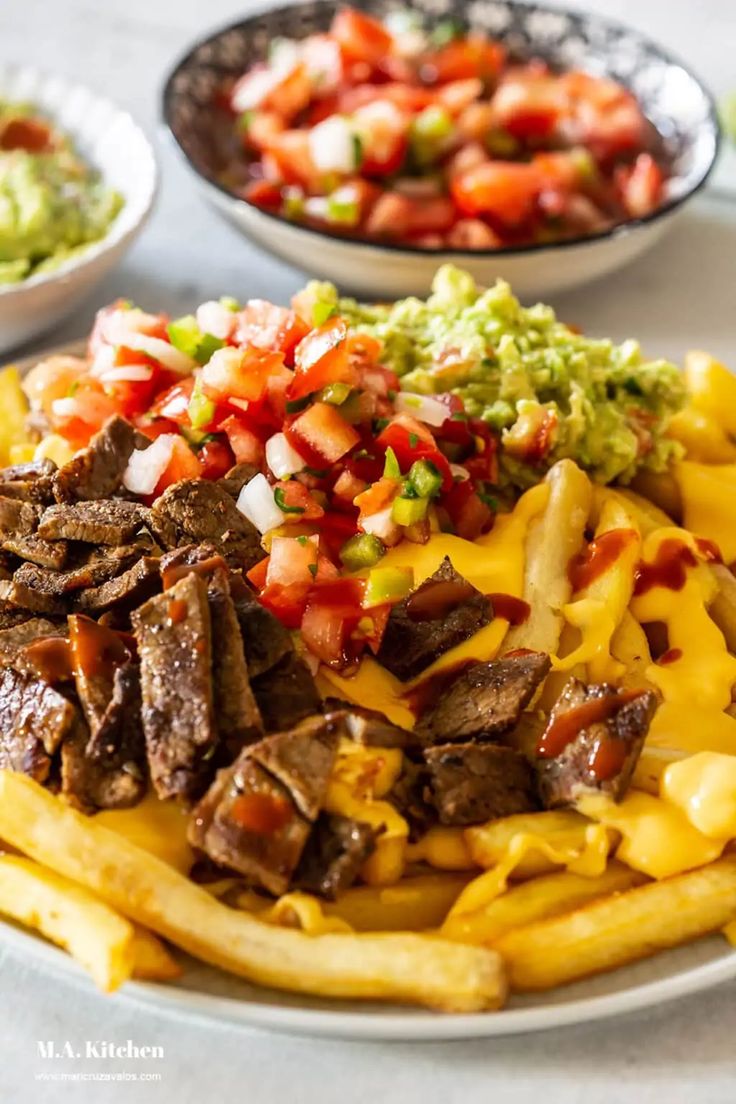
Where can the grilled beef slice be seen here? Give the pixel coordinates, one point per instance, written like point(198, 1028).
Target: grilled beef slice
point(265, 639)
point(248, 822)
point(336, 850)
point(173, 632)
point(409, 796)
point(286, 694)
point(97, 472)
point(443, 611)
point(368, 726)
point(11, 616)
point(302, 760)
point(36, 550)
point(472, 783)
point(15, 595)
point(113, 521)
point(31, 482)
point(18, 518)
point(124, 591)
point(13, 640)
point(238, 719)
point(196, 511)
point(34, 719)
point(234, 481)
point(111, 775)
point(484, 700)
point(600, 732)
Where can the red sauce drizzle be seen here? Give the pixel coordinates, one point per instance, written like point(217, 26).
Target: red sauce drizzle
point(177, 611)
point(564, 728)
point(203, 568)
point(95, 649)
point(607, 758)
point(586, 566)
point(670, 656)
point(514, 610)
point(709, 550)
point(427, 692)
point(50, 658)
point(669, 569)
point(261, 813)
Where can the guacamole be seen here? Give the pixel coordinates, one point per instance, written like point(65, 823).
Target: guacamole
point(52, 204)
point(550, 391)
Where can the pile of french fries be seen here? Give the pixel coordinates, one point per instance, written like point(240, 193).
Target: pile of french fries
point(528, 902)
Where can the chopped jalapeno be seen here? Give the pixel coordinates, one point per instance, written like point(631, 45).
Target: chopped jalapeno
point(362, 550)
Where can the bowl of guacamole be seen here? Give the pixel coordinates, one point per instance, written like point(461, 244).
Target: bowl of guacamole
point(77, 182)
point(549, 391)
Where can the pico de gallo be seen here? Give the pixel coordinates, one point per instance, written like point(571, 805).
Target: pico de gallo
point(437, 138)
point(338, 448)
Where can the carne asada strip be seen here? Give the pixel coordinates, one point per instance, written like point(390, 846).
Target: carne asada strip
point(336, 850)
point(18, 518)
point(15, 594)
point(368, 726)
point(173, 633)
point(473, 783)
point(302, 759)
point(27, 473)
point(36, 550)
point(31, 482)
point(97, 472)
point(286, 694)
point(113, 776)
point(409, 796)
point(248, 822)
point(484, 700)
point(113, 521)
point(96, 653)
point(441, 613)
point(592, 742)
point(196, 511)
point(238, 719)
point(34, 719)
point(131, 588)
point(265, 639)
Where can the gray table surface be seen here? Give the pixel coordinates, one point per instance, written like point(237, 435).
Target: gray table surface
point(681, 295)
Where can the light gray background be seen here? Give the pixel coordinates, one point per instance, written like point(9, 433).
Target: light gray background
point(681, 295)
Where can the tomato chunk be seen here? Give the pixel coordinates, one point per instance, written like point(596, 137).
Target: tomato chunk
point(325, 432)
point(321, 358)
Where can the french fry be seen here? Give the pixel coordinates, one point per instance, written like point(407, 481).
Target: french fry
point(630, 647)
point(703, 436)
point(621, 928)
point(712, 388)
point(386, 966)
point(151, 960)
point(14, 409)
point(707, 491)
point(93, 933)
point(552, 541)
point(562, 829)
point(538, 899)
point(723, 607)
point(651, 765)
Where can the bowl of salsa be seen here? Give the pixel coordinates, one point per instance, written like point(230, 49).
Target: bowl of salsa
point(402, 135)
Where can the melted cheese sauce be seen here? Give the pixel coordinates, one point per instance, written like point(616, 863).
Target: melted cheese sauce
point(157, 826)
point(708, 490)
point(703, 787)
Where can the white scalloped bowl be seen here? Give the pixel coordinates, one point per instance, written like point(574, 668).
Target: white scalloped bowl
point(110, 140)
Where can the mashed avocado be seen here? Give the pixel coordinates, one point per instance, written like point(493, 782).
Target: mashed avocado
point(551, 392)
point(52, 204)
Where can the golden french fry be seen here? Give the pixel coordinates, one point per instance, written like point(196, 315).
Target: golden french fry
point(712, 388)
point(562, 829)
point(443, 848)
point(552, 541)
point(621, 928)
point(703, 437)
point(723, 607)
point(651, 765)
point(707, 491)
point(151, 960)
point(14, 409)
point(630, 647)
point(70, 916)
point(647, 514)
point(414, 904)
point(660, 488)
point(538, 899)
point(385, 966)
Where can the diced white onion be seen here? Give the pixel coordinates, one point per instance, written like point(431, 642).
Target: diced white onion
point(332, 145)
point(64, 408)
point(426, 409)
point(459, 472)
point(282, 459)
point(381, 525)
point(256, 502)
point(146, 466)
point(316, 207)
point(250, 92)
point(163, 352)
point(213, 318)
point(103, 361)
point(127, 373)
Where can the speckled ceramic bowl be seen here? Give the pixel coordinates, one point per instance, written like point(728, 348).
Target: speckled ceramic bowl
point(673, 98)
point(110, 140)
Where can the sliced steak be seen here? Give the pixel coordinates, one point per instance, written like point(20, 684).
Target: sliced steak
point(248, 822)
point(286, 694)
point(113, 521)
point(36, 550)
point(234, 481)
point(34, 719)
point(173, 632)
point(112, 775)
point(31, 482)
point(592, 742)
point(197, 511)
point(265, 639)
point(27, 473)
point(60, 583)
point(473, 783)
point(13, 640)
point(484, 700)
point(134, 586)
point(336, 850)
point(18, 518)
point(368, 726)
point(15, 594)
point(97, 471)
point(442, 612)
point(408, 795)
point(238, 718)
point(302, 760)
point(11, 616)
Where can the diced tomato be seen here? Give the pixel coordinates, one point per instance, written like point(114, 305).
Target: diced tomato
point(529, 106)
point(347, 486)
point(408, 98)
point(390, 217)
point(174, 403)
point(79, 416)
point(215, 458)
point(292, 560)
point(460, 94)
point(262, 129)
point(245, 444)
point(266, 326)
point(22, 133)
point(321, 358)
point(473, 234)
point(257, 575)
point(239, 373)
point(296, 501)
point(383, 129)
point(292, 159)
point(641, 186)
point(286, 602)
point(463, 58)
point(504, 189)
point(324, 431)
point(182, 465)
point(412, 441)
point(377, 497)
point(470, 516)
point(332, 612)
point(467, 158)
point(337, 527)
point(286, 94)
point(263, 193)
point(361, 38)
point(156, 427)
